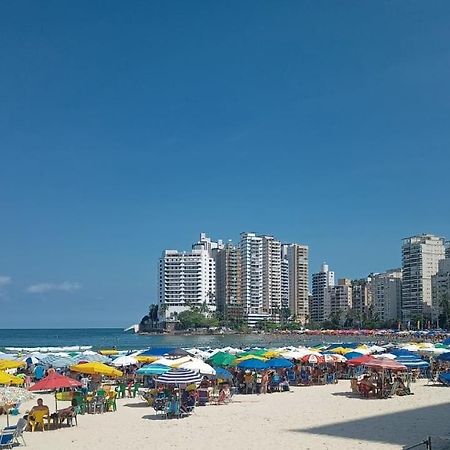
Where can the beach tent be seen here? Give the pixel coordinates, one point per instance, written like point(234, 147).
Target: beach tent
point(96, 368)
point(153, 369)
point(6, 378)
point(279, 363)
point(253, 364)
point(197, 365)
point(179, 376)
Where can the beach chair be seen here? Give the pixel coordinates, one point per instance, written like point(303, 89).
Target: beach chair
point(203, 397)
point(160, 406)
point(111, 404)
point(135, 389)
point(18, 430)
point(38, 419)
point(7, 438)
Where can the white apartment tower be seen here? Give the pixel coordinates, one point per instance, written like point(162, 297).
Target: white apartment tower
point(387, 295)
point(420, 261)
point(271, 271)
point(284, 277)
point(362, 298)
point(321, 281)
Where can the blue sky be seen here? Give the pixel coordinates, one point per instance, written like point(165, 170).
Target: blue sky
point(130, 127)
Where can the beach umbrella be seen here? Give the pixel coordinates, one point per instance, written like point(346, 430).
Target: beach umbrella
point(446, 341)
point(351, 355)
point(272, 353)
point(179, 376)
point(146, 359)
point(253, 364)
point(157, 351)
point(338, 358)
point(385, 355)
point(197, 365)
point(245, 358)
point(172, 362)
point(222, 359)
point(340, 350)
point(123, 361)
point(153, 369)
point(296, 354)
point(360, 360)
point(53, 382)
point(10, 396)
point(222, 374)
point(254, 352)
point(6, 356)
point(96, 368)
point(57, 361)
point(413, 363)
point(313, 359)
point(6, 364)
point(109, 352)
point(280, 363)
point(6, 378)
point(444, 357)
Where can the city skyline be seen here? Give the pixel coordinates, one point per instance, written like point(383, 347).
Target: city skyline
point(126, 130)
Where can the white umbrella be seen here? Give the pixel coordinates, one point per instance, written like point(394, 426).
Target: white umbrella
point(172, 362)
point(385, 355)
point(123, 361)
point(198, 366)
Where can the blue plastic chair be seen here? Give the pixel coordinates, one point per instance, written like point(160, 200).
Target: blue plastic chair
point(7, 438)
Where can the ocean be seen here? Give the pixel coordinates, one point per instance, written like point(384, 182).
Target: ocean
point(100, 338)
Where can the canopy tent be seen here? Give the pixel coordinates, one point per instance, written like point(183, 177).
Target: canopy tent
point(6, 378)
point(197, 365)
point(153, 369)
point(253, 364)
point(279, 363)
point(179, 376)
point(361, 360)
point(385, 364)
point(96, 368)
point(124, 361)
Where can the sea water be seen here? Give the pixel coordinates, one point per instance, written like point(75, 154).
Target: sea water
point(103, 338)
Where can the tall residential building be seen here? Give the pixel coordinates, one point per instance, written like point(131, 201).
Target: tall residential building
point(362, 298)
point(297, 256)
point(251, 250)
point(338, 300)
point(440, 284)
point(284, 278)
point(447, 249)
point(387, 295)
point(186, 279)
point(228, 283)
point(420, 259)
point(271, 272)
point(321, 281)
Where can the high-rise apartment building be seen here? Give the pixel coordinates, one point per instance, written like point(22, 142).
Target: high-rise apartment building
point(321, 281)
point(447, 249)
point(284, 279)
point(228, 283)
point(297, 256)
point(362, 298)
point(338, 300)
point(271, 277)
point(387, 295)
point(420, 260)
point(186, 279)
point(440, 284)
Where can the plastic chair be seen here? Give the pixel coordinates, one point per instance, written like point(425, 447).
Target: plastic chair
point(111, 404)
point(18, 430)
point(7, 438)
point(135, 389)
point(38, 418)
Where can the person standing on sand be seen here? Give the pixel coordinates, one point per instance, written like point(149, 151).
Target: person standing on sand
point(264, 382)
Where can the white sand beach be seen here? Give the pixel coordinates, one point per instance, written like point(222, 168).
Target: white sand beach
point(317, 417)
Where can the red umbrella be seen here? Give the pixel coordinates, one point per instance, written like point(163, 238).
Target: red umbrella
point(313, 359)
point(54, 381)
point(361, 360)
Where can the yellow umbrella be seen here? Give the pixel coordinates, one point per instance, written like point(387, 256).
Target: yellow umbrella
point(146, 359)
point(272, 354)
point(107, 352)
point(6, 378)
point(11, 364)
point(96, 368)
point(341, 350)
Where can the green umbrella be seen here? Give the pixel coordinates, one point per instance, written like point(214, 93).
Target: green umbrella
point(222, 359)
point(256, 352)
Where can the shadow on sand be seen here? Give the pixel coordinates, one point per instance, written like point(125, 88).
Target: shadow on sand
point(401, 428)
point(137, 405)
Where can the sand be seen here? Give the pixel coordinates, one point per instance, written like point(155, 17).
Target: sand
point(318, 417)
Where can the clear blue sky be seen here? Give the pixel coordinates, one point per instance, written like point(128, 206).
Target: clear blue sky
point(130, 127)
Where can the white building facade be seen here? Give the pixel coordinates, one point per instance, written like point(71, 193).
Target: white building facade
point(387, 295)
point(321, 281)
point(440, 284)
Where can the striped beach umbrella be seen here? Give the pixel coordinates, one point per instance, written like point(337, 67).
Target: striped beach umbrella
point(313, 359)
point(179, 376)
point(153, 369)
point(57, 361)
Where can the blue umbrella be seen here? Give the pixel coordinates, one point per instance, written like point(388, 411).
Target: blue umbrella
point(280, 363)
point(446, 341)
point(444, 357)
point(253, 364)
point(351, 355)
point(153, 369)
point(413, 363)
point(222, 374)
point(157, 351)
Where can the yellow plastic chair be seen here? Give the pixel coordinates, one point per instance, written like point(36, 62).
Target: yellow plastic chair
point(38, 418)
